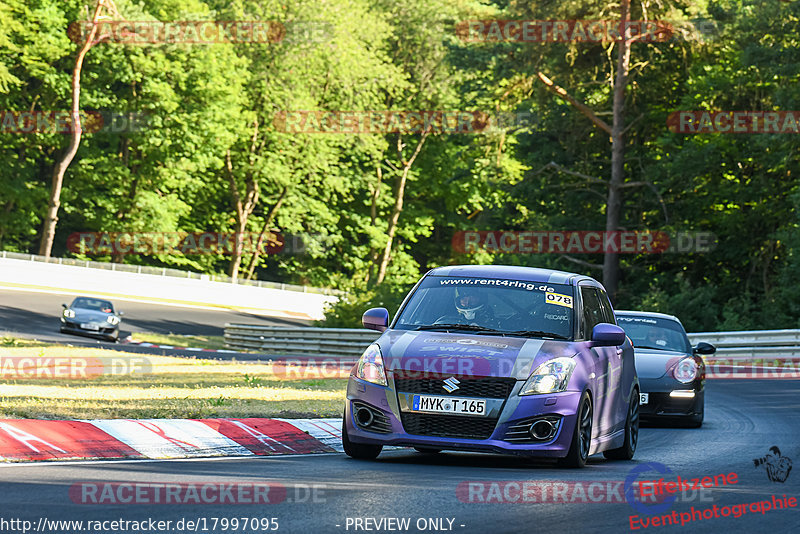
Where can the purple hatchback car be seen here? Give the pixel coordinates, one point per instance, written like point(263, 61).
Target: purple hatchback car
point(496, 358)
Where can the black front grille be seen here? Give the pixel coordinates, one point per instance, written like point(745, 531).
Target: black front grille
point(448, 426)
point(483, 387)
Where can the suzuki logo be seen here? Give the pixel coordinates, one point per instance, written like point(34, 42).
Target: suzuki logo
point(451, 384)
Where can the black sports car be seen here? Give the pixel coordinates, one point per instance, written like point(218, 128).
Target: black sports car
point(671, 372)
point(95, 317)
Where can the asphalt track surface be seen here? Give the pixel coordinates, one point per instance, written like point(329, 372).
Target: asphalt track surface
point(744, 419)
point(36, 315)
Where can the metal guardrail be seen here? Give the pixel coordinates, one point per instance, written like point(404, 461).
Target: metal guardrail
point(346, 343)
point(351, 342)
point(164, 271)
point(751, 344)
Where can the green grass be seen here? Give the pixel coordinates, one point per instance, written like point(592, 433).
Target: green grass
point(172, 388)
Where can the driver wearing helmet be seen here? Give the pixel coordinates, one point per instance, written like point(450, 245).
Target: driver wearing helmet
point(472, 307)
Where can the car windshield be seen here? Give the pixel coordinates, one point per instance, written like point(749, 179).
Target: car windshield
point(93, 304)
point(648, 332)
point(490, 306)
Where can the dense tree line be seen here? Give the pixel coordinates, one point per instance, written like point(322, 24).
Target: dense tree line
point(379, 208)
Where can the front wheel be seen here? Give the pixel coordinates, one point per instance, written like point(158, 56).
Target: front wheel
point(582, 436)
point(631, 432)
point(359, 451)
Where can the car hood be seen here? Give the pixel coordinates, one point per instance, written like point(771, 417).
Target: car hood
point(467, 354)
point(652, 363)
point(90, 316)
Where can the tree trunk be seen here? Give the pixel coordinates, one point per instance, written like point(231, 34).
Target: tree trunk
point(398, 204)
point(267, 222)
point(51, 218)
point(611, 269)
point(243, 211)
point(373, 215)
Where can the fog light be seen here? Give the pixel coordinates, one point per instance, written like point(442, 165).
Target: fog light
point(682, 394)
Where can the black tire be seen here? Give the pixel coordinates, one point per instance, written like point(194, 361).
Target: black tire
point(582, 435)
point(359, 451)
point(631, 432)
point(427, 450)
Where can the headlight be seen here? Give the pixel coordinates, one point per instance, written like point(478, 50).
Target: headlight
point(550, 377)
point(370, 366)
point(685, 371)
point(113, 319)
point(69, 314)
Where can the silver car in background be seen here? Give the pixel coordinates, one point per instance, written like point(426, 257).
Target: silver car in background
point(91, 316)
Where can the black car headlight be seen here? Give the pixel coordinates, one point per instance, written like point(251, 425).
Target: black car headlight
point(550, 377)
point(685, 371)
point(370, 366)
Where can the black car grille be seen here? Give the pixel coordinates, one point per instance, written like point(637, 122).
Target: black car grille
point(448, 426)
point(663, 404)
point(483, 387)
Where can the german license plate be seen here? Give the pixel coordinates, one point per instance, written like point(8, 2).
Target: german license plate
point(644, 398)
point(450, 405)
point(90, 326)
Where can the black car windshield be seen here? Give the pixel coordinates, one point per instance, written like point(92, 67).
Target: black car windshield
point(655, 333)
point(93, 304)
point(490, 306)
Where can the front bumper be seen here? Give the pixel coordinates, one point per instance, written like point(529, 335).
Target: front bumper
point(104, 331)
point(661, 405)
point(514, 414)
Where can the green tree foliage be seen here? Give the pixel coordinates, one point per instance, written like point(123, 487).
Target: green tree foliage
point(374, 216)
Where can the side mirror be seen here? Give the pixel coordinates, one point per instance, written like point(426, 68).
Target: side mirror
point(376, 319)
point(64, 306)
point(704, 348)
point(607, 335)
point(120, 313)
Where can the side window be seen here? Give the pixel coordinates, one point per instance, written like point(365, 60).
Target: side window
point(592, 311)
point(608, 311)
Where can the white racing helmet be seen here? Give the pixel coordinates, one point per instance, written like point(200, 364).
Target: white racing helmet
point(469, 301)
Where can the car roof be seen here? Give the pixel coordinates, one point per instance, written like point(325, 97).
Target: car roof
point(647, 314)
point(513, 272)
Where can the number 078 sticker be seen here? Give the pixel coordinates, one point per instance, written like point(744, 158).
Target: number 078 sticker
point(558, 299)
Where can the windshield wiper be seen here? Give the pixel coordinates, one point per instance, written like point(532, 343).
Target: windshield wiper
point(649, 347)
point(535, 333)
point(452, 326)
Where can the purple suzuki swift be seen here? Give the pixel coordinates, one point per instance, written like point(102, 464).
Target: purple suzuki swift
point(496, 358)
